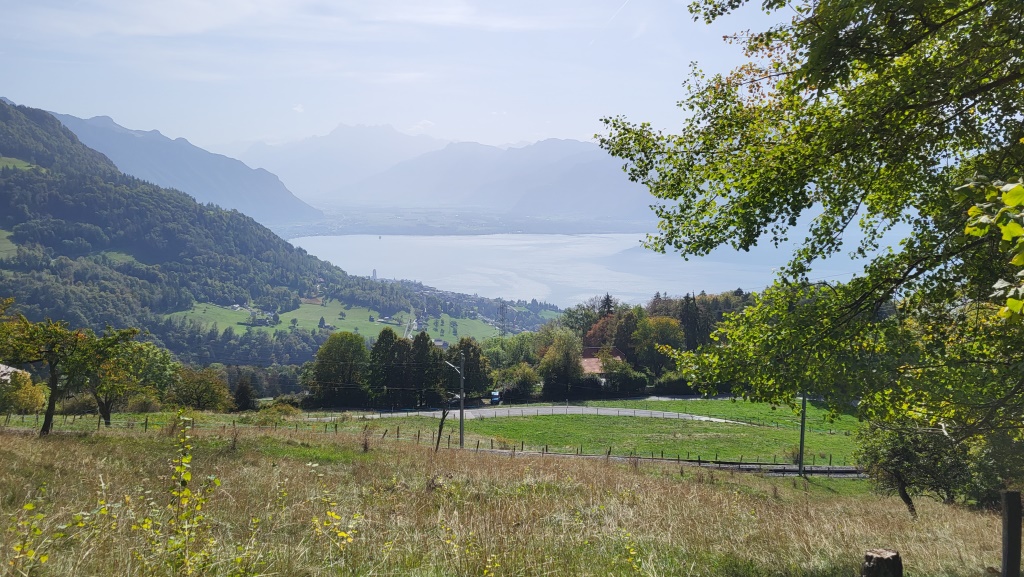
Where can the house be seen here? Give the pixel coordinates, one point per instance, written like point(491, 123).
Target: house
point(6, 372)
point(441, 343)
point(591, 360)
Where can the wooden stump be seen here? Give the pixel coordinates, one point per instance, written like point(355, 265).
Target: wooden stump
point(882, 563)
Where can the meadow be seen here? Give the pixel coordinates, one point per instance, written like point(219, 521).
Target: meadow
point(291, 502)
point(7, 248)
point(356, 320)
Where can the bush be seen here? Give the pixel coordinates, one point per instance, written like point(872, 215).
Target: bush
point(274, 413)
point(673, 383)
point(143, 402)
point(516, 383)
point(81, 404)
point(21, 396)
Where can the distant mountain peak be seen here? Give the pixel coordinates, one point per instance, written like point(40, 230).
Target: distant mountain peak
point(177, 163)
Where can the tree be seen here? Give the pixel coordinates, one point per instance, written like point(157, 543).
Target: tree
point(386, 376)
point(338, 371)
point(477, 372)
point(650, 335)
point(21, 395)
point(854, 112)
point(561, 366)
point(71, 357)
point(131, 367)
point(426, 370)
point(516, 383)
point(245, 396)
point(200, 389)
point(913, 460)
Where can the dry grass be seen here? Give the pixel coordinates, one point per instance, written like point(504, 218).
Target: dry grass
point(455, 513)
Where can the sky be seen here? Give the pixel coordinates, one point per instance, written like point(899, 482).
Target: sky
point(225, 72)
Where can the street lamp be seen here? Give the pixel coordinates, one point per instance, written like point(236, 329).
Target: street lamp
point(462, 396)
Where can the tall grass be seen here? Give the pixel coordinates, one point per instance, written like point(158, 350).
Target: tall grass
point(298, 503)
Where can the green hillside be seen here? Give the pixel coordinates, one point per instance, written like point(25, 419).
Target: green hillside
point(102, 248)
point(8, 162)
point(7, 248)
point(339, 316)
point(105, 249)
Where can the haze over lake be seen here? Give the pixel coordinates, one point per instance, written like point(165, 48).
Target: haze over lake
point(560, 269)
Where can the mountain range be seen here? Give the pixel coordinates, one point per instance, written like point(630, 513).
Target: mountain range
point(367, 175)
point(178, 164)
point(377, 167)
point(316, 167)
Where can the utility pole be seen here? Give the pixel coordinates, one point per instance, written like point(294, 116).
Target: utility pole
point(461, 369)
point(462, 399)
point(803, 423)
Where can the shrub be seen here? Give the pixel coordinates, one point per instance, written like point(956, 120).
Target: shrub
point(673, 383)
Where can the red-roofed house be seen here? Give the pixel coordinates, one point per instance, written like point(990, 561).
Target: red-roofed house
point(592, 361)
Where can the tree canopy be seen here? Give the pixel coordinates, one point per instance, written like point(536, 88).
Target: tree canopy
point(870, 115)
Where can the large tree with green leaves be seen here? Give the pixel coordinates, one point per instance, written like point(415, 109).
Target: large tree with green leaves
point(336, 378)
point(866, 114)
point(71, 357)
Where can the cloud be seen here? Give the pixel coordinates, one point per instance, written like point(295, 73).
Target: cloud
point(298, 108)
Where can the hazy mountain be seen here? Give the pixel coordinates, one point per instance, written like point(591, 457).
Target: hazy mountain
point(558, 178)
point(316, 167)
point(178, 164)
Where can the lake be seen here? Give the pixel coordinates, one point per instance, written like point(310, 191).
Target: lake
point(560, 269)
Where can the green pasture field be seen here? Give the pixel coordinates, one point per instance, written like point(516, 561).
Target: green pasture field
point(625, 435)
point(118, 256)
point(7, 248)
point(8, 162)
point(357, 320)
point(740, 410)
point(641, 436)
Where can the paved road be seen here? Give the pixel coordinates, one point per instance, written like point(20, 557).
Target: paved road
point(495, 412)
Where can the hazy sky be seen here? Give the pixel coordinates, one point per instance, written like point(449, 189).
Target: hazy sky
point(224, 71)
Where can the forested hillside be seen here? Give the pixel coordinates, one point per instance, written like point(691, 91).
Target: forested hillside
point(95, 247)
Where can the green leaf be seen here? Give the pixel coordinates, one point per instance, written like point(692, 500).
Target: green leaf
point(1011, 230)
point(1018, 259)
point(1013, 194)
point(1015, 305)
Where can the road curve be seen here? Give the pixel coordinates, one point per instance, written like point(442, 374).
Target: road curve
point(497, 412)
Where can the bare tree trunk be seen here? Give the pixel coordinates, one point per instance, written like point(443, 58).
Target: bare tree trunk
point(104, 407)
point(440, 428)
point(51, 405)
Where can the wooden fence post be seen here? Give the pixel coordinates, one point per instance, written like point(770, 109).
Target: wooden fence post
point(882, 563)
point(1011, 533)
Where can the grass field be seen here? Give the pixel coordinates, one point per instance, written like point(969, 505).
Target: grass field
point(357, 320)
point(595, 434)
point(8, 162)
point(739, 410)
point(302, 503)
point(7, 248)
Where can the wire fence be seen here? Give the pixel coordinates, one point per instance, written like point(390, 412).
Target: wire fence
point(324, 425)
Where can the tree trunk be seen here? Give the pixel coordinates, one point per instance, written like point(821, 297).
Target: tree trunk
point(51, 404)
point(901, 488)
point(104, 408)
point(882, 563)
point(440, 427)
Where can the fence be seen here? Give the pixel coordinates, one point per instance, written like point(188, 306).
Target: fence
point(333, 424)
